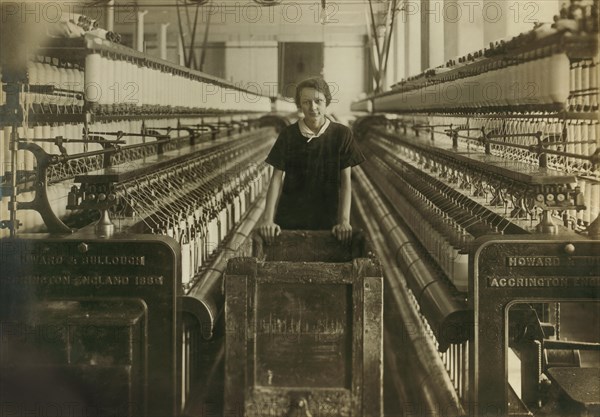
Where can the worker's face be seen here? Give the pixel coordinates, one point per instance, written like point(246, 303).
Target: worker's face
point(312, 103)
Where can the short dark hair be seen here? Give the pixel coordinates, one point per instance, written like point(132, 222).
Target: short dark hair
point(318, 84)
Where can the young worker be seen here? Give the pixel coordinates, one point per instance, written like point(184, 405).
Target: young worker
point(313, 159)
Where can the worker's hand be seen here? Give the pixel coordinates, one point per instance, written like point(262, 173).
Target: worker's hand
point(269, 231)
point(343, 232)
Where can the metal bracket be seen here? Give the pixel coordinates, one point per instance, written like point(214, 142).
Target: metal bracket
point(40, 202)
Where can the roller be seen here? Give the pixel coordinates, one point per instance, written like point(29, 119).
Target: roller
point(447, 313)
point(409, 350)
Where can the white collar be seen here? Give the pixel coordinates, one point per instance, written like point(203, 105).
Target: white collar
point(308, 133)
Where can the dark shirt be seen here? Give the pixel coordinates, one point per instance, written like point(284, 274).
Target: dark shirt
point(310, 196)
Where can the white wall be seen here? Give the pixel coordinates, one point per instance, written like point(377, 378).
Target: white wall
point(344, 71)
point(252, 64)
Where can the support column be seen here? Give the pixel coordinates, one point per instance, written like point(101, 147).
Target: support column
point(412, 37)
point(110, 15)
point(180, 51)
point(508, 18)
point(139, 30)
point(463, 27)
point(399, 50)
point(395, 67)
point(162, 40)
point(433, 13)
point(381, 36)
point(450, 36)
point(425, 31)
